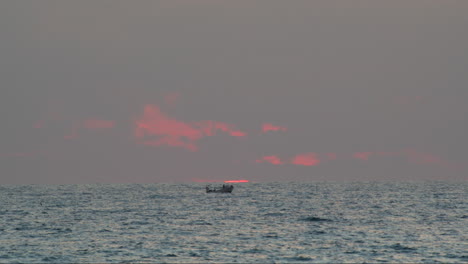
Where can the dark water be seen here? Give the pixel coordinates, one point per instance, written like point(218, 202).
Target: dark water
point(263, 223)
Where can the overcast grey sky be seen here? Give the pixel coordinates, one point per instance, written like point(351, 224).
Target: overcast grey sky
point(202, 90)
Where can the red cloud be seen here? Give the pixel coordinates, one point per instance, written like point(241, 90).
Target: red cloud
point(362, 155)
point(171, 132)
point(237, 133)
point(271, 159)
point(423, 158)
point(306, 159)
point(227, 128)
point(177, 133)
point(413, 156)
point(270, 127)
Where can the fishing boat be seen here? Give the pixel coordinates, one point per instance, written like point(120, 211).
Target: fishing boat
point(222, 189)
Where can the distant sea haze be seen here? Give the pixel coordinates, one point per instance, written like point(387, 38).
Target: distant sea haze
point(257, 223)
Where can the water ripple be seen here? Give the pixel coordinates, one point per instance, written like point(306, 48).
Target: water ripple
point(263, 223)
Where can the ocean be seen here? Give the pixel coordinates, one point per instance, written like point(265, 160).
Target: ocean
point(360, 222)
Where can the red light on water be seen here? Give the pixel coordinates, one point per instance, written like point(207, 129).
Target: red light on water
point(236, 181)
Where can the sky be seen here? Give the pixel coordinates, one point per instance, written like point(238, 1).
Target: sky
point(211, 90)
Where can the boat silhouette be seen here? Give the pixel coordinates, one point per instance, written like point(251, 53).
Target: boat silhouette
point(222, 189)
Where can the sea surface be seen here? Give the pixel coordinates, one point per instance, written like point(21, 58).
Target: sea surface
point(424, 222)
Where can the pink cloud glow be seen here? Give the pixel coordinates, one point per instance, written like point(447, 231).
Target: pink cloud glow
point(176, 133)
point(306, 159)
point(362, 155)
point(270, 127)
point(270, 159)
point(423, 158)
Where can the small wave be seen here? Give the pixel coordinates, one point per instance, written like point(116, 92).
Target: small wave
point(302, 258)
point(453, 256)
point(50, 259)
point(82, 252)
point(315, 219)
point(253, 251)
point(316, 232)
point(271, 235)
point(140, 223)
point(135, 223)
point(199, 222)
point(62, 230)
point(273, 214)
point(160, 196)
point(113, 211)
point(400, 247)
point(19, 228)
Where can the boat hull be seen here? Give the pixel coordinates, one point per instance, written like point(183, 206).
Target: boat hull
point(223, 189)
